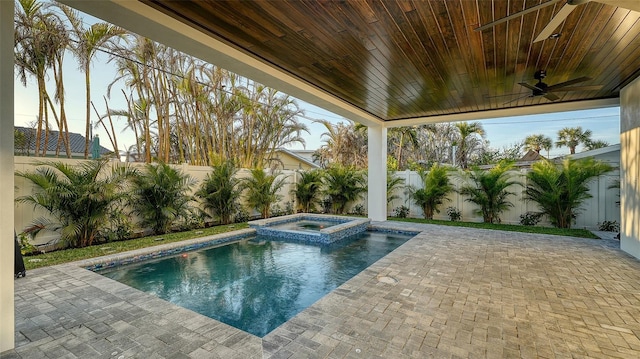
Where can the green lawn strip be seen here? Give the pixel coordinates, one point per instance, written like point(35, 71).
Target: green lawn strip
point(583, 233)
point(74, 254)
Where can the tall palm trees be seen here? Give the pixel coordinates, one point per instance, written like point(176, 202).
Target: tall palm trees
point(87, 41)
point(40, 42)
point(572, 137)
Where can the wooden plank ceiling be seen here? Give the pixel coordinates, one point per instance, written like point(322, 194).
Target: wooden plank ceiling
point(408, 59)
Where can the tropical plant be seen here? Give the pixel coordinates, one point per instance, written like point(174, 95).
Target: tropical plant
point(530, 218)
point(489, 190)
point(81, 198)
point(401, 138)
point(393, 183)
point(87, 41)
point(572, 137)
point(538, 142)
point(342, 186)
point(262, 190)
point(560, 188)
point(454, 214)
point(220, 192)
point(307, 190)
point(609, 226)
point(470, 136)
point(160, 196)
point(595, 144)
point(40, 44)
point(436, 187)
point(401, 212)
point(345, 144)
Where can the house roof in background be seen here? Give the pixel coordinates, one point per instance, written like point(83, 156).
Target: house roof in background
point(301, 155)
point(76, 141)
point(597, 151)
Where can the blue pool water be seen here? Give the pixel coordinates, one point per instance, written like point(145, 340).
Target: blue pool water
point(256, 285)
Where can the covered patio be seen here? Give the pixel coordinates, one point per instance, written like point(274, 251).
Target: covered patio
point(387, 64)
point(448, 293)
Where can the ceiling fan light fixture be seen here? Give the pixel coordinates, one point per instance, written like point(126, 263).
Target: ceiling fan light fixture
point(555, 36)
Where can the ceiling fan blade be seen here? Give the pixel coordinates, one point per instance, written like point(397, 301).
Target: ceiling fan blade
point(625, 4)
point(532, 88)
point(515, 15)
point(567, 83)
point(579, 88)
point(551, 97)
point(555, 22)
point(519, 98)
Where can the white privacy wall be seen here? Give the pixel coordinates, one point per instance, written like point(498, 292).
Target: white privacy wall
point(603, 206)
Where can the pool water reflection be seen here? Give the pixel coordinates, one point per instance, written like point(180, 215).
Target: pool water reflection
point(256, 285)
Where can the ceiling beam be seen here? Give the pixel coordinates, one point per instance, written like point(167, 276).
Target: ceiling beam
point(509, 112)
point(155, 25)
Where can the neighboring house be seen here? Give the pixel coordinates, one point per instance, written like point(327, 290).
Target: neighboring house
point(294, 159)
point(528, 159)
point(27, 144)
point(609, 154)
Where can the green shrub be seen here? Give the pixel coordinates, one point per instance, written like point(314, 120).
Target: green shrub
point(401, 212)
point(488, 189)
point(436, 187)
point(83, 201)
point(530, 218)
point(560, 188)
point(609, 226)
point(160, 197)
point(220, 191)
point(454, 214)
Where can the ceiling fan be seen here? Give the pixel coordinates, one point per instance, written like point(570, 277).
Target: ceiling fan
point(562, 14)
point(547, 91)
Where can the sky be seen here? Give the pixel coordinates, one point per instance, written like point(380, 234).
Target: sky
point(502, 132)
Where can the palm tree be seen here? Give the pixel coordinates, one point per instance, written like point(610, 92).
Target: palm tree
point(572, 137)
point(489, 190)
point(87, 42)
point(220, 191)
point(469, 139)
point(595, 144)
point(80, 197)
point(343, 185)
point(345, 144)
point(538, 142)
point(307, 189)
point(262, 190)
point(393, 183)
point(560, 189)
point(40, 40)
point(436, 187)
point(160, 196)
point(401, 137)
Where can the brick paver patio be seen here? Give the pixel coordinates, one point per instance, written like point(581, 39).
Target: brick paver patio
point(447, 293)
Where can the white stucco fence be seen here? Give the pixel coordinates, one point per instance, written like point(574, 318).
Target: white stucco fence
point(603, 206)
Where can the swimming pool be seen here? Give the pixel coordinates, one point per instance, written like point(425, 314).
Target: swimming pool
point(255, 284)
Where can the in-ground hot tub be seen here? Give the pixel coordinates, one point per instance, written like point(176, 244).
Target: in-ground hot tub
point(310, 228)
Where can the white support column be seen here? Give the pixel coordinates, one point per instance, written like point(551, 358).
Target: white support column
point(377, 177)
point(630, 168)
point(7, 320)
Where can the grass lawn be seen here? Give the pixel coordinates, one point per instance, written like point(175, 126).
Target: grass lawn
point(70, 255)
point(583, 233)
